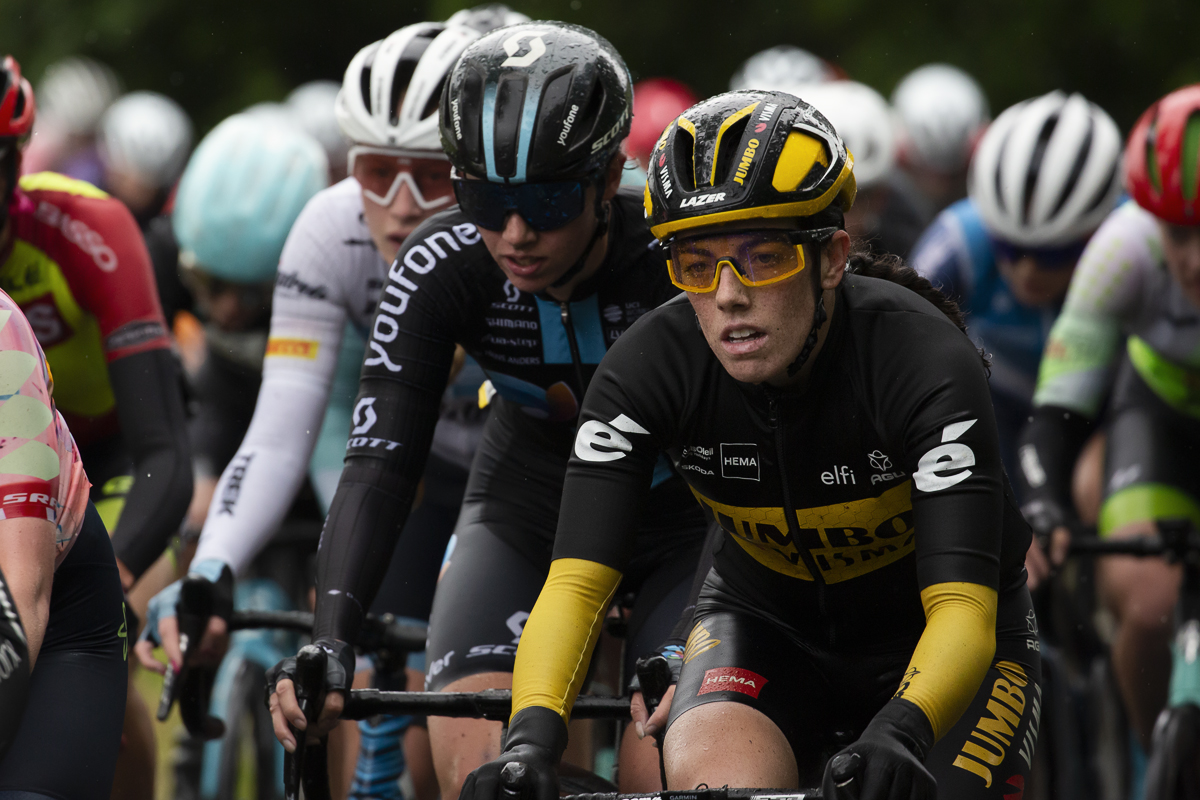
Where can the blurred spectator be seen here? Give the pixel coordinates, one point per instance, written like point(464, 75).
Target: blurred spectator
point(941, 112)
point(888, 214)
point(72, 96)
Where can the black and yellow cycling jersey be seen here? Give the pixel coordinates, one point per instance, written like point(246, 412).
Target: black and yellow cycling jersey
point(868, 511)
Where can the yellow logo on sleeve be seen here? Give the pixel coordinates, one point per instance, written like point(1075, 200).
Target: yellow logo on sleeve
point(846, 540)
point(293, 348)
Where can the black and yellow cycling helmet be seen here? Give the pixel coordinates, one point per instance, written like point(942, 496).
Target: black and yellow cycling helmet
point(748, 155)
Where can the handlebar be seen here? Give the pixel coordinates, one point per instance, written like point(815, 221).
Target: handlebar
point(704, 793)
point(1177, 540)
point(491, 704)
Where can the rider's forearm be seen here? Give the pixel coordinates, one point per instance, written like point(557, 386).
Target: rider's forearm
point(557, 642)
point(953, 654)
point(365, 519)
point(1047, 449)
point(258, 485)
point(149, 395)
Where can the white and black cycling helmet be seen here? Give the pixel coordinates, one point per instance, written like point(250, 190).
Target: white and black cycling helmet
point(389, 97)
point(75, 93)
point(312, 105)
point(864, 121)
point(1047, 171)
point(782, 69)
point(487, 17)
point(941, 113)
point(148, 135)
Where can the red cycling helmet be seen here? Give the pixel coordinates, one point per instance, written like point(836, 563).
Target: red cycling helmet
point(1162, 159)
point(16, 101)
point(656, 103)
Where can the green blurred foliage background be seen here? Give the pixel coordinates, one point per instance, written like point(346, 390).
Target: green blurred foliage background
point(217, 56)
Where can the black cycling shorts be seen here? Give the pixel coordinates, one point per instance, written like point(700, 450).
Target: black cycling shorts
point(1150, 464)
point(489, 587)
point(67, 743)
point(823, 700)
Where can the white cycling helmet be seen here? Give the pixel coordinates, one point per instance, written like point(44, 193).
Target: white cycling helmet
point(863, 119)
point(312, 104)
point(146, 134)
point(390, 94)
point(75, 92)
point(941, 112)
point(1047, 171)
point(781, 69)
point(487, 17)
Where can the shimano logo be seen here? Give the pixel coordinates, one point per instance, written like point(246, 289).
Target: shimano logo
point(570, 120)
point(421, 259)
point(702, 200)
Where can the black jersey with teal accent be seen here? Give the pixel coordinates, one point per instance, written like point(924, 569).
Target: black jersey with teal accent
point(539, 355)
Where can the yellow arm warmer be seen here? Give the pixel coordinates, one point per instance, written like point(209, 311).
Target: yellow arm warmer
point(559, 635)
point(954, 652)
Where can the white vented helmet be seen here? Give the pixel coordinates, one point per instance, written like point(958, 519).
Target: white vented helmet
point(146, 134)
point(390, 94)
point(864, 121)
point(75, 92)
point(1047, 171)
point(312, 104)
point(941, 111)
point(781, 69)
point(487, 17)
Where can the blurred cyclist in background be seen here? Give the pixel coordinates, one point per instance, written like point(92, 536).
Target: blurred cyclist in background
point(1043, 178)
point(73, 95)
point(312, 105)
point(889, 214)
point(242, 190)
point(1131, 324)
point(331, 272)
point(144, 141)
point(74, 260)
point(783, 68)
point(941, 112)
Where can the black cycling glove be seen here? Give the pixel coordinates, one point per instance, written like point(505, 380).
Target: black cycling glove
point(537, 738)
point(339, 668)
point(887, 761)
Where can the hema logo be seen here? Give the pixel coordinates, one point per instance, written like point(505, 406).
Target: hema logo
point(739, 461)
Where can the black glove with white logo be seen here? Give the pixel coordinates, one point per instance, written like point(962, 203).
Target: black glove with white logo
point(887, 761)
point(1044, 515)
point(339, 669)
point(528, 767)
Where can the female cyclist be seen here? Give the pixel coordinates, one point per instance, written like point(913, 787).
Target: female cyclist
point(868, 595)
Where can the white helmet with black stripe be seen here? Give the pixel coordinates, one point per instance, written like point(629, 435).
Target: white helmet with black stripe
point(1047, 172)
point(390, 93)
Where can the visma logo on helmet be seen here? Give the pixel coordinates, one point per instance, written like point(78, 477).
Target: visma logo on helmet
point(512, 45)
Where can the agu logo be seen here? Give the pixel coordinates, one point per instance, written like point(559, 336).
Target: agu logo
point(739, 461)
point(732, 679)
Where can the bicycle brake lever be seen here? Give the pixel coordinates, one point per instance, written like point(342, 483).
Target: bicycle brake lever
point(191, 686)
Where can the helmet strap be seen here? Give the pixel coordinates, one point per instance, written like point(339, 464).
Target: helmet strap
point(819, 318)
point(602, 214)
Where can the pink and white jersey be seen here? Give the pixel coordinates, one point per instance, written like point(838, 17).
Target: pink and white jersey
point(41, 474)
